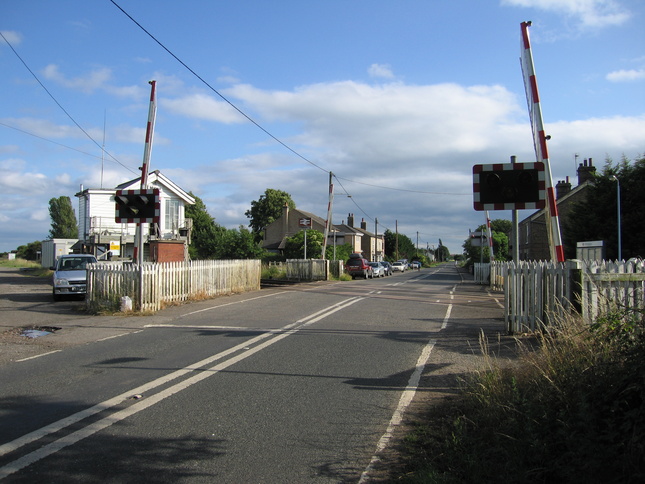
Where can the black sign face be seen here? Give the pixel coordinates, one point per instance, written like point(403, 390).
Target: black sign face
point(509, 186)
point(137, 206)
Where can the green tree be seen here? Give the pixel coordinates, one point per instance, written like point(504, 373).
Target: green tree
point(29, 251)
point(63, 218)
point(267, 209)
point(403, 249)
point(501, 231)
point(205, 233)
point(596, 217)
point(238, 244)
point(342, 252)
point(294, 247)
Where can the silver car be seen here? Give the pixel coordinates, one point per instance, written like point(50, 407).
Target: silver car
point(377, 269)
point(70, 275)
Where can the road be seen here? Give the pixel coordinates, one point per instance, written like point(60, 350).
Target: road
point(303, 384)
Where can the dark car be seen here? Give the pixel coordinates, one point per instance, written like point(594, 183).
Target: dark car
point(359, 267)
point(387, 267)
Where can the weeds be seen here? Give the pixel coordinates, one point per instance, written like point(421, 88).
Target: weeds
point(570, 411)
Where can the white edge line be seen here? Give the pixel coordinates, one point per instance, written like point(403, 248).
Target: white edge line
point(404, 403)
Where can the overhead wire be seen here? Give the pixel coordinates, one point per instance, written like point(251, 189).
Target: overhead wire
point(58, 103)
point(253, 121)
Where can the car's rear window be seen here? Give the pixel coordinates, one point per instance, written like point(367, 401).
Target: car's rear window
point(354, 262)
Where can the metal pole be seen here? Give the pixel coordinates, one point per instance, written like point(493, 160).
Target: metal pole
point(515, 234)
point(620, 242)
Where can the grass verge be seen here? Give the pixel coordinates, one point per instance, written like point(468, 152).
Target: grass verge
point(571, 411)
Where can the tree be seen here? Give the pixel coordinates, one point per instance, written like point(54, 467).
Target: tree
point(294, 247)
point(500, 230)
point(63, 218)
point(267, 209)
point(29, 251)
point(403, 249)
point(205, 233)
point(596, 217)
point(238, 244)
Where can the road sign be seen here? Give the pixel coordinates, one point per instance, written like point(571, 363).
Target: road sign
point(304, 222)
point(509, 186)
point(137, 206)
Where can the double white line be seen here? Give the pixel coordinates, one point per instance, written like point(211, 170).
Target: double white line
point(236, 354)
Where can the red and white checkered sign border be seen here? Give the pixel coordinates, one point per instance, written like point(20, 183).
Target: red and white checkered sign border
point(147, 192)
point(478, 169)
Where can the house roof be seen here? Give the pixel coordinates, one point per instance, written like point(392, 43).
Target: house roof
point(562, 199)
point(159, 178)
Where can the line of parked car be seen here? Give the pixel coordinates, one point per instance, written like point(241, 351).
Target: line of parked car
point(358, 266)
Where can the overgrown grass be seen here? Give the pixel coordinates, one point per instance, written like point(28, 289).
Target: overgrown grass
point(32, 268)
point(572, 410)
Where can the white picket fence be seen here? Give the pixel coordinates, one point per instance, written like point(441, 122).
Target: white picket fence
point(537, 292)
point(153, 285)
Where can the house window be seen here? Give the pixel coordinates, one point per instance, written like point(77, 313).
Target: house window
point(171, 219)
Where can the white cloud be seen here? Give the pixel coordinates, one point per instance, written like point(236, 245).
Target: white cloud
point(591, 13)
point(14, 38)
point(624, 75)
point(202, 106)
point(96, 79)
point(381, 70)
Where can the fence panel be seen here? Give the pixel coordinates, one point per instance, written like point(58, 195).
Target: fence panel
point(151, 285)
point(537, 293)
point(307, 269)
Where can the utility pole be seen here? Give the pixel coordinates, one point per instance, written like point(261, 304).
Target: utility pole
point(328, 223)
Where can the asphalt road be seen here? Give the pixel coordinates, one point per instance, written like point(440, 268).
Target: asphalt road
point(304, 384)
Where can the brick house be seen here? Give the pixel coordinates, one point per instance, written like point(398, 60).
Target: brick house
point(99, 233)
point(533, 236)
point(288, 224)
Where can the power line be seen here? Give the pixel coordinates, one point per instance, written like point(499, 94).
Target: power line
point(264, 130)
point(56, 101)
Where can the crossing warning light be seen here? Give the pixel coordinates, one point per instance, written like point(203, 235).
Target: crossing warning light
point(509, 186)
point(137, 206)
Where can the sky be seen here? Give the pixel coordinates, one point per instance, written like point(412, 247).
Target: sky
point(398, 99)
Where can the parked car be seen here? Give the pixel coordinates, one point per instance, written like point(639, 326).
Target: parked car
point(387, 267)
point(399, 266)
point(416, 264)
point(70, 275)
point(377, 269)
point(359, 267)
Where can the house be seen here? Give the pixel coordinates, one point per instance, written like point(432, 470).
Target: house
point(533, 235)
point(370, 244)
point(287, 225)
point(99, 233)
point(290, 223)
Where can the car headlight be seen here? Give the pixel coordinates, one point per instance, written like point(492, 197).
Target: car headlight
point(61, 282)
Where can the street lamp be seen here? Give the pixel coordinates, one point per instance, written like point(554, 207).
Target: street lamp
point(620, 251)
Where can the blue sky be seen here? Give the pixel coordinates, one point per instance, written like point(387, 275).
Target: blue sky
point(399, 99)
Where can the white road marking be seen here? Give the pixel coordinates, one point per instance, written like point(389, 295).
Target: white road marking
point(247, 349)
point(38, 356)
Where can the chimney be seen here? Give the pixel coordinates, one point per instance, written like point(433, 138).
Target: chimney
point(350, 220)
point(586, 171)
point(363, 224)
point(562, 188)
